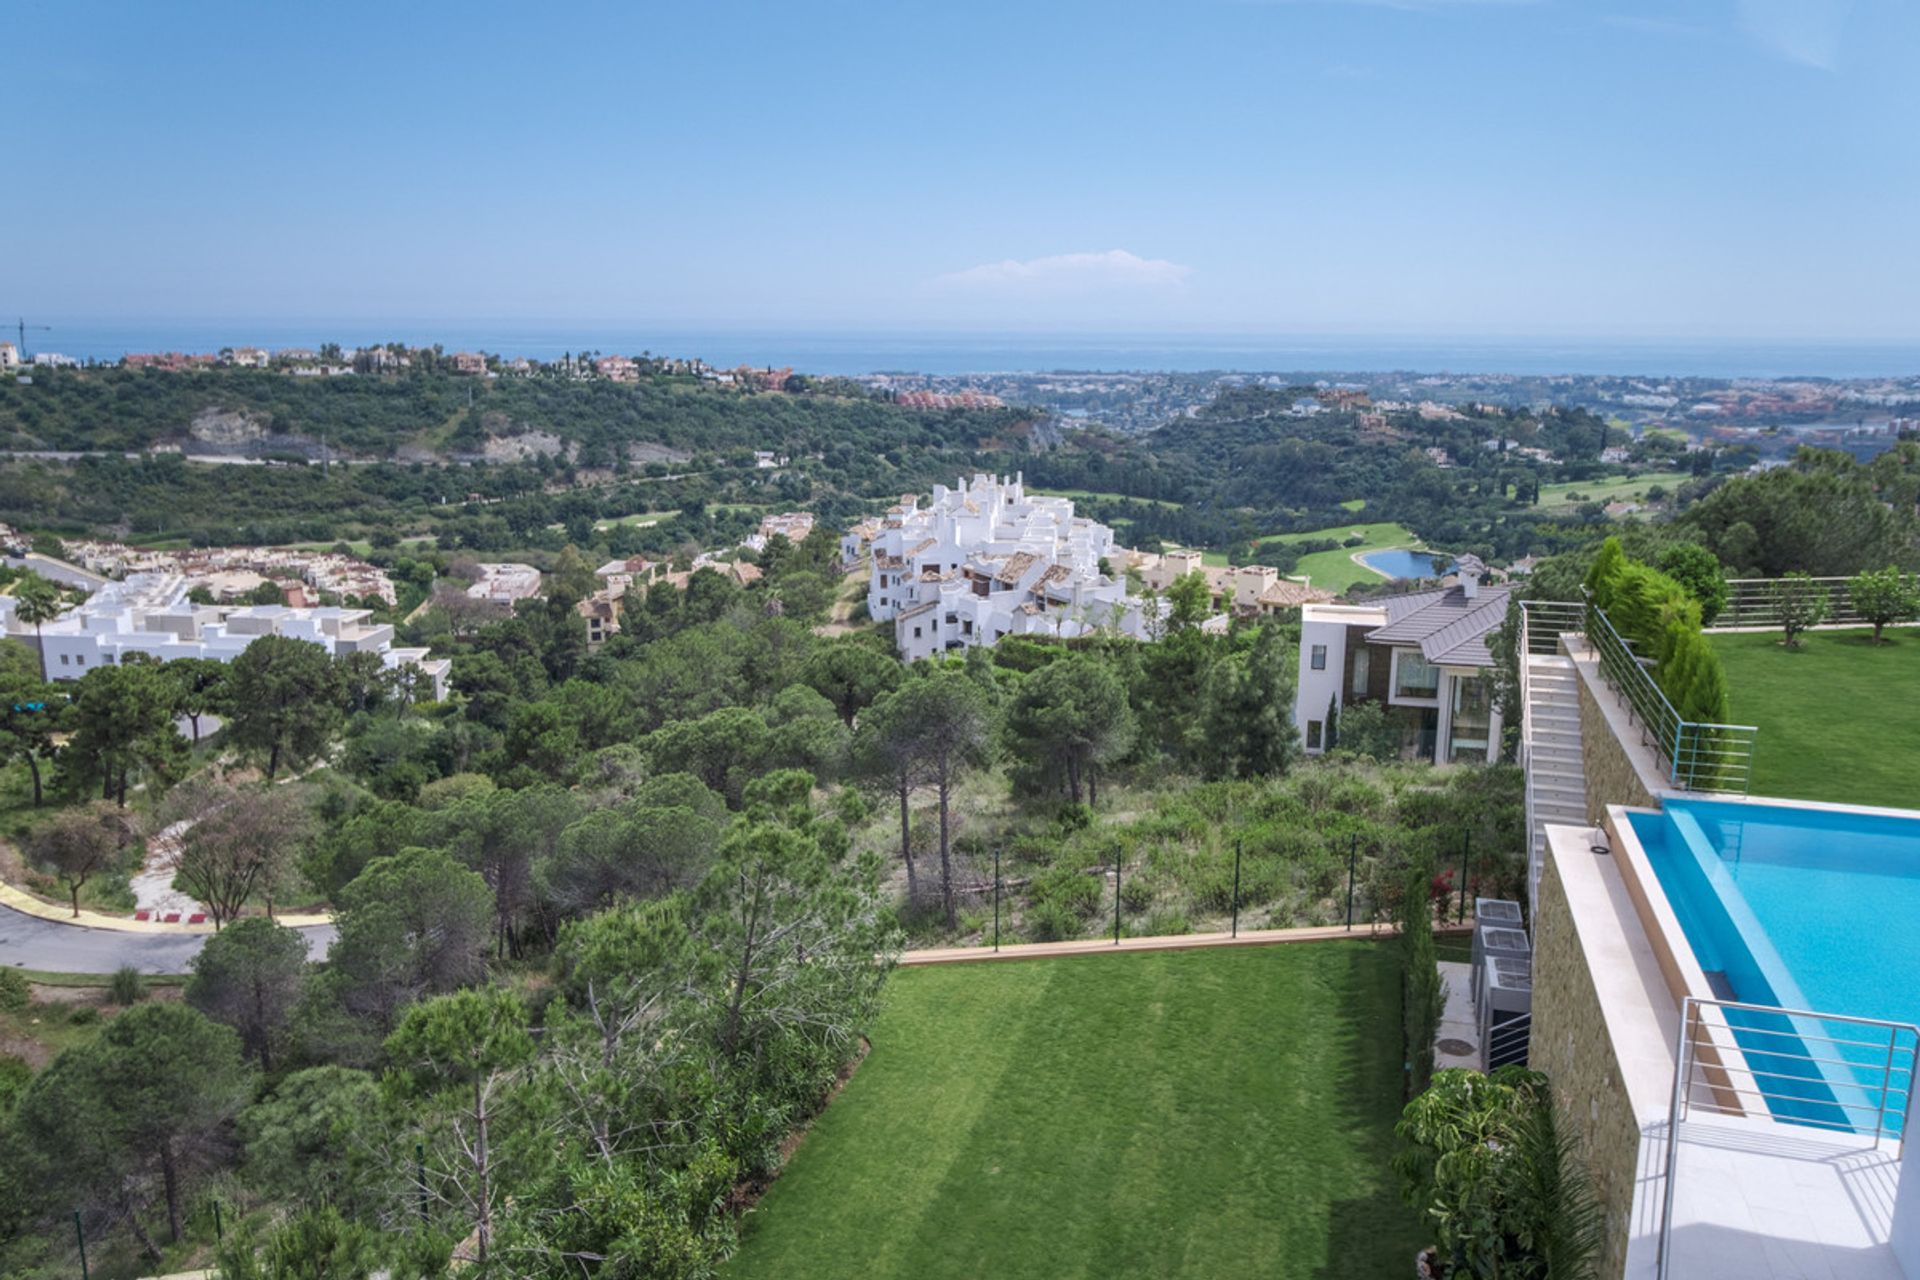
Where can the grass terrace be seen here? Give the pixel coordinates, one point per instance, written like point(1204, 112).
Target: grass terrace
point(1836, 716)
point(1213, 1113)
point(1614, 489)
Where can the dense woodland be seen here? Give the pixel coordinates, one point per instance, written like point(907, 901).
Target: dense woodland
point(612, 924)
point(1243, 467)
point(608, 923)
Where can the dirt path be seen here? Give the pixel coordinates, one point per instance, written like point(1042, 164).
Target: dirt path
point(851, 591)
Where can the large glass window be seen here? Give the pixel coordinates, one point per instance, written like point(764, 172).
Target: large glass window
point(1415, 677)
point(1470, 737)
point(1362, 670)
point(1317, 658)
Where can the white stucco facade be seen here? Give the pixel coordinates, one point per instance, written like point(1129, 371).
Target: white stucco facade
point(1423, 657)
point(985, 560)
point(149, 613)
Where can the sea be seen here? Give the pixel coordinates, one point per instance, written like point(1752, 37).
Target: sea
point(851, 352)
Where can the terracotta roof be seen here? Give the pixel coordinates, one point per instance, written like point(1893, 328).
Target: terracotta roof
point(1288, 594)
point(921, 545)
point(1016, 567)
point(925, 606)
point(1055, 573)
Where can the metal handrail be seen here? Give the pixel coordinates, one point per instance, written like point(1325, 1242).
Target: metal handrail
point(1754, 602)
point(1698, 755)
point(1731, 1082)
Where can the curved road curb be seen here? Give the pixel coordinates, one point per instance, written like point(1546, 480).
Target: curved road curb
point(32, 940)
point(27, 905)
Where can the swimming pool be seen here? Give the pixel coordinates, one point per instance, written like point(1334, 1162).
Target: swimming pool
point(1801, 908)
point(1399, 562)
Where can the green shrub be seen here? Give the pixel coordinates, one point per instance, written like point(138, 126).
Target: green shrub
point(1166, 924)
point(1136, 893)
point(127, 986)
point(1505, 1193)
point(83, 1015)
point(1068, 889)
point(1051, 922)
point(15, 1075)
point(1038, 851)
point(14, 990)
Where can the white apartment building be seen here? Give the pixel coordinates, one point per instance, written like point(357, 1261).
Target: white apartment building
point(505, 583)
point(149, 613)
point(984, 560)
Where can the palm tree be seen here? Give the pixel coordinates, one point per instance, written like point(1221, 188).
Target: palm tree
point(39, 602)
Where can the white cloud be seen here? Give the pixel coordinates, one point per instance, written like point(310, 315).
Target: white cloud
point(1803, 31)
point(1067, 274)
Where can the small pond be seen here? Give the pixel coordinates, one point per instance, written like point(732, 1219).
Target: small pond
point(1398, 562)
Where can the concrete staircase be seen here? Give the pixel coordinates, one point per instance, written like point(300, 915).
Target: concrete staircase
point(1556, 774)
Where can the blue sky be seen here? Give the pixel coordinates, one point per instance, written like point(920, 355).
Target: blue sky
point(1723, 168)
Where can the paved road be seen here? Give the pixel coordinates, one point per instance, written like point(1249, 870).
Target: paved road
point(28, 942)
point(60, 571)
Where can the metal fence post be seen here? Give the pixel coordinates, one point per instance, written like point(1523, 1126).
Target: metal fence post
point(218, 1234)
point(1353, 854)
point(420, 1175)
point(1460, 911)
point(80, 1238)
point(1116, 897)
point(996, 898)
point(1236, 888)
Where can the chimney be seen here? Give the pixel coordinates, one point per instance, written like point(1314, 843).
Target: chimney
point(1471, 569)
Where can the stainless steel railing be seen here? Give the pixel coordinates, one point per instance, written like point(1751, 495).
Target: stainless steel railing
point(1824, 1071)
point(1543, 621)
point(1755, 602)
point(1697, 756)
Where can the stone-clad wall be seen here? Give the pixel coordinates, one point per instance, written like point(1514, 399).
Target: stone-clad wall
point(1570, 1043)
point(1611, 777)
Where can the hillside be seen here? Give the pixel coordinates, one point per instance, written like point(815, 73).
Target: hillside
point(428, 416)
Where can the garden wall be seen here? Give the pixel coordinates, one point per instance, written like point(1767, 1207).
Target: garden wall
point(1571, 1044)
point(1616, 766)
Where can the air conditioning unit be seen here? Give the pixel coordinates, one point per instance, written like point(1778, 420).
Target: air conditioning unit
point(1490, 913)
point(1493, 940)
point(1501, 911)
point(1506, 1010)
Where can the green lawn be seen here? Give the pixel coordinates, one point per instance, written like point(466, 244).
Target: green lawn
point(1614, 487)
point(1336, 570)
point(1212, 1113)
point(1836, 717)
point(1086, 495)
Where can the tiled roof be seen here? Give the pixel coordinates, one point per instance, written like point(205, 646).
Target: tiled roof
point(1016, 567)
point(925, 606)
point(1288, 594)
point(1448, 627)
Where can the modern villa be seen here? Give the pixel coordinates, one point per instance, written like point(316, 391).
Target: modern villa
point(985, 560)
point(1723, 990)
point(149, 613)
point(1423, 656)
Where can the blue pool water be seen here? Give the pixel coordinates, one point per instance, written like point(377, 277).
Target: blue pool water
point(1800, 908)
point(1402, 563)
